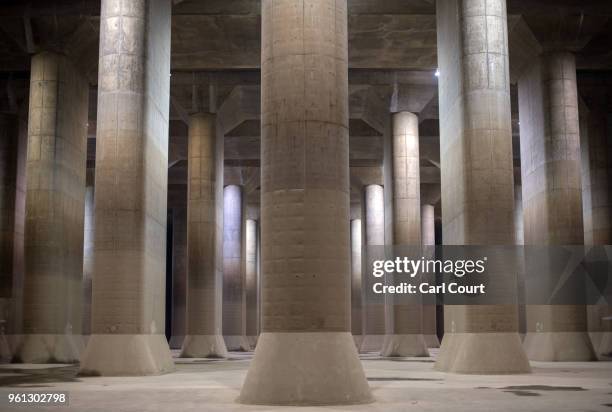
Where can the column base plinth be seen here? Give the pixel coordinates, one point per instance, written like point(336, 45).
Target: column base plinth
point(126, 355)
point(48, 348)
point(559, 347)
point(204, 346)
point(371, 343)
point(602, 343)
point(237, 343)
point(176, 341)
point(305, 368)
point(358, 339)
point(495, 353)
point(432, 341)
point(252, 339)
point(404, 346)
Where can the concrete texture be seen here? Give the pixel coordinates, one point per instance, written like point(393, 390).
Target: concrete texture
point(477, 175)
point(305, 197)
point(234, 283)
point(323, 365)
point(596, 165)
point(428, 239)
point(400, 385)
point(57, 136)
point(88, 248)
point(178, 324)
point(552, 194)
point(356, 281)
point(128, 310)
point(374, 329)
point(251, 282)
point(126, 355)
point(404, 323)
point(204, 283)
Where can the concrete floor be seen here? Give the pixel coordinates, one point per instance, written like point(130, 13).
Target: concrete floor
point(400, 385)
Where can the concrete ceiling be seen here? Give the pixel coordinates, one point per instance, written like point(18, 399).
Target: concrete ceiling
point(216, 58)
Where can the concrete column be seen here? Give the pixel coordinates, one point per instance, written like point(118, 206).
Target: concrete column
point(179, 277)
point(88, 248)
point(305, 354)
point(234, 290)
point(519, 239)
point(596, 150)
point(404, 334)
point(356, 280)
point(477, 176)
point(251, 282)
point(428, 239)
point(57, 150)
point(204, 335)
point(374, 235)
point(8, 189)
point(128, 310)
point(552, 196)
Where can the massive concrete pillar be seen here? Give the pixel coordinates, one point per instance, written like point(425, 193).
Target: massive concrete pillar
point(428, 239)
point(234, 291)
point(356, 282)
point(305, 354)
point(251, 282)
point(373, 235)
point(88, 248)
point(178, 309)
point(596, 160)
point(404, 334)
point(552, 196)
point(9, 140)
point(128, 310)
point(204, 335)
point(477, 176)
point(519, 239)
point(57, 150)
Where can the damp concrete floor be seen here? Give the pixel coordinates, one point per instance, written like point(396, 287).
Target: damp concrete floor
point(407, 384)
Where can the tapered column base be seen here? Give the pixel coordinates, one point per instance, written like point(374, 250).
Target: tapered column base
point(48, 348)
point(252, 339)
point(604, 349)
point(305, 368)
point(176, 341)
point(432, 341)
point(126, 355)
point(358, 339)
point(371, 343)
point(404, 345)
point(237, 343)
point(559, 347)
point(498, 353)
point(204, 346)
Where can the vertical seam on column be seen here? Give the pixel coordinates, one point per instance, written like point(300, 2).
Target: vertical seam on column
point(486, 21)
point(304, 98)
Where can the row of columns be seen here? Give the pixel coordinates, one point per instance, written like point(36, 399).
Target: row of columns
point(305, 353)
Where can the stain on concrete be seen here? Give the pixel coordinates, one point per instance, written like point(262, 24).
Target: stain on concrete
point(37, 378)
point(393, 378)
point(409, 360)
point(544, 388)
point(524, 393)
